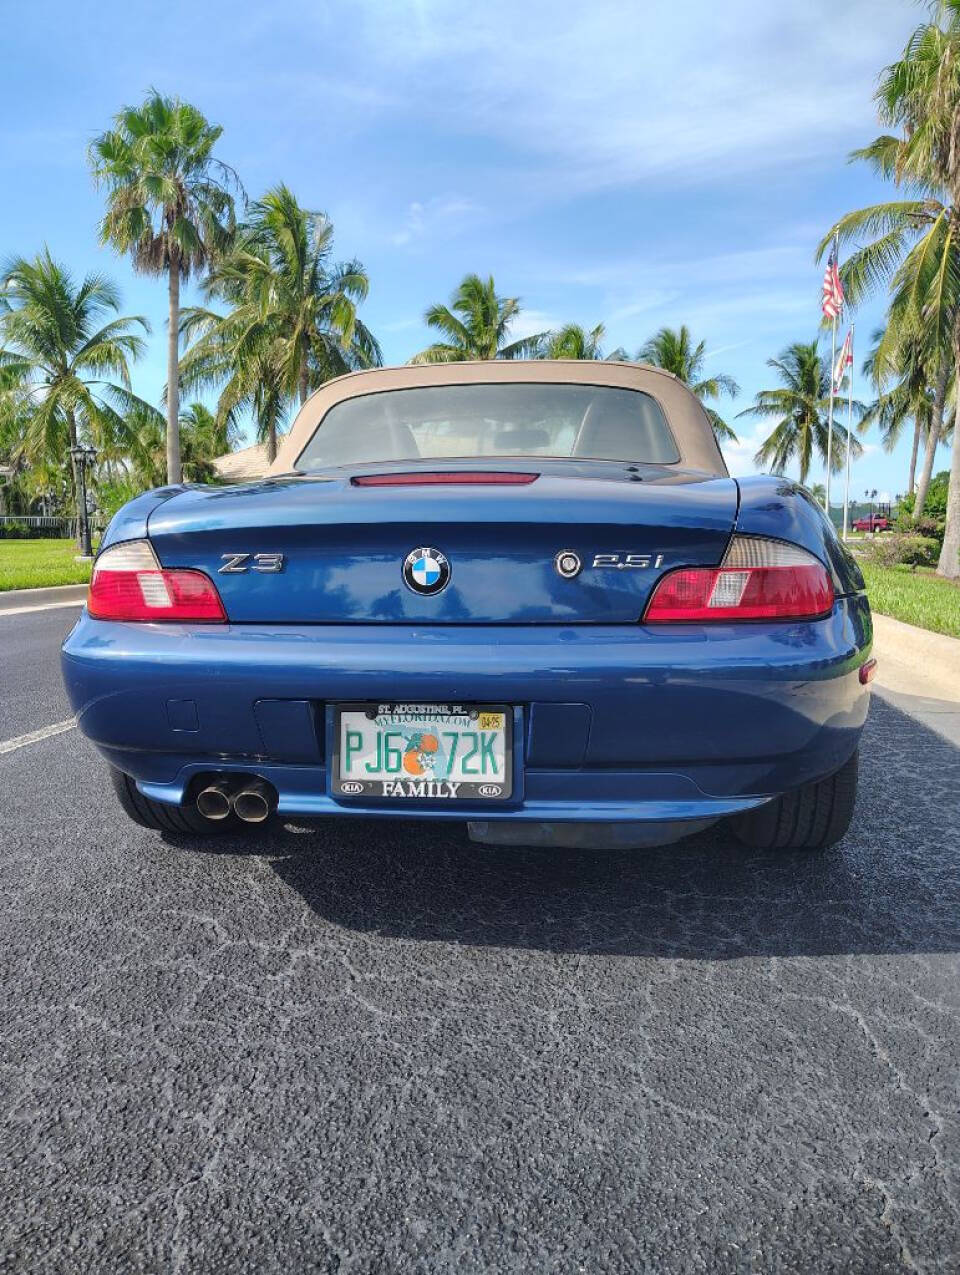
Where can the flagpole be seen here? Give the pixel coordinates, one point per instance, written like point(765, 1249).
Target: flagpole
point(846, 488)
point(833, 360)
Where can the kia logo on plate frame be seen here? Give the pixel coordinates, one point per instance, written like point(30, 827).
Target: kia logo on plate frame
point(426, 570)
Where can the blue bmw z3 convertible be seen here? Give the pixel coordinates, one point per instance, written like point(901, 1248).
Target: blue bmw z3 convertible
point(526, 595)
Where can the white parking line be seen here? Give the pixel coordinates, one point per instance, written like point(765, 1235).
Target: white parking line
point(35, 736)
point(40, 606)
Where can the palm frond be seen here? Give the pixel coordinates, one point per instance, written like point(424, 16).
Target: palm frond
point(879, 220)
point(166, 193)
point(722, 431)
point(476, 325)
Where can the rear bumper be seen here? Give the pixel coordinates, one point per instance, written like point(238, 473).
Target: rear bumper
point(611, 722)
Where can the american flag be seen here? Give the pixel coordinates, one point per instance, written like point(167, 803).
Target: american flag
point(844, 361)
point(832, 299)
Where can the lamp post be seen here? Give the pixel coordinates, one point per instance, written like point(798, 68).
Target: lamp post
point(82, 457)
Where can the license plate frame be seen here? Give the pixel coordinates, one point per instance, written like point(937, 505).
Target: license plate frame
point(406, 788)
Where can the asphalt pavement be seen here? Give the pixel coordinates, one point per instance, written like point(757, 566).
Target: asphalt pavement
point(367, 1047)
point(31, 689)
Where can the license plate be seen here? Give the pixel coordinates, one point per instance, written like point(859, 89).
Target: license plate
point(436, 752)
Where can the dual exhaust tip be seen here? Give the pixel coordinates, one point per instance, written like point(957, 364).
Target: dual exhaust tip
point(252, 801)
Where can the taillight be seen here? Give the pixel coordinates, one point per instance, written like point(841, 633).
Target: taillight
point(129, 584)
point(757, 580)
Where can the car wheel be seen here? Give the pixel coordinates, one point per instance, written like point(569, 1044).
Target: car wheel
point(810, 818)
point(159, 816)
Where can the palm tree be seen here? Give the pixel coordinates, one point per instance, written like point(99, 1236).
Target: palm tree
point(799, 404)
point(574, 342)
point(673, 350)
point(251, 381)
point(903, 380)
point(915, 243)
point(203, 437)
point(293, 320)
point(65, 356)
point(248, 374)
point(14, 415)
point(923, 304)
point(169, 204)
point(476, 325)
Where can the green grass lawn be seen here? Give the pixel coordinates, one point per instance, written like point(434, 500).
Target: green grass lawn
point(34, 564)
point(916, 597)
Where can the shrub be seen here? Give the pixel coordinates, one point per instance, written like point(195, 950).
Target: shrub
point(935, 505)
point(112, 496)
point(932, 528)
point(897, 550)
point(14, 530)
point(926, 525)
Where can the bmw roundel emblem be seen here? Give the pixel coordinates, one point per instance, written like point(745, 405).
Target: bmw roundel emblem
point(426, 570)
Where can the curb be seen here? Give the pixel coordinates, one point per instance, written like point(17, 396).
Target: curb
point(914, 661)
point(17, 600)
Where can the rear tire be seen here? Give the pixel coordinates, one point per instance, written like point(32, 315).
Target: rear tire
point(159, 816)
point(814, 817)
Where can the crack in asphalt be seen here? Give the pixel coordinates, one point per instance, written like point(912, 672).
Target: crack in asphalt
point(367, 1047)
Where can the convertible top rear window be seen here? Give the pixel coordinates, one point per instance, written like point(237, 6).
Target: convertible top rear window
point(536, 418)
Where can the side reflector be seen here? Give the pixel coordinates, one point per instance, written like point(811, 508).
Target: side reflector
point(129, 584)
point(757, 580)
point(868, 672)
point(455, 478)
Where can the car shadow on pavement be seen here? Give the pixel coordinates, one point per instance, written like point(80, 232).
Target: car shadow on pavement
point(892, 885)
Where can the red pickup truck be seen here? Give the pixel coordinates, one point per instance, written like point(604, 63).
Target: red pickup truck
point(875, 522)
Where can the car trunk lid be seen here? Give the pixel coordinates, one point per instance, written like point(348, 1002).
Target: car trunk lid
point(344, 539)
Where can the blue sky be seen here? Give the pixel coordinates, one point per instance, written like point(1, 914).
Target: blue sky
point(634, 163)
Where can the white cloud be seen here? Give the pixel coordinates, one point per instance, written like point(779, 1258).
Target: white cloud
point(739, 456)
point(531, 322)
point(724, 349)
point(402, 325)
point(610, 94)
point(434, 216)
point(756, 286)
point(642, 303)
point(751, 436)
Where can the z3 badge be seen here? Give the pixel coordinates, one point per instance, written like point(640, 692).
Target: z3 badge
point(238, 563)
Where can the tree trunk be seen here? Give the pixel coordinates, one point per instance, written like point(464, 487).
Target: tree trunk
point(933, 439)
point(173, 373)
point(912, 476)
point(74, 485)
point(805, 453)
point(949, 564)
point(304, 383)
point(272, 441)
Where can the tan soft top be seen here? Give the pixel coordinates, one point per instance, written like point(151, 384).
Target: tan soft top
point(689, 422)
